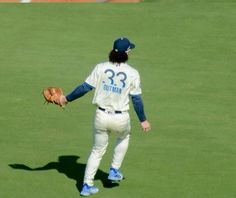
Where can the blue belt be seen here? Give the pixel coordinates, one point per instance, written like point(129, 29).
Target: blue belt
point(108, 110)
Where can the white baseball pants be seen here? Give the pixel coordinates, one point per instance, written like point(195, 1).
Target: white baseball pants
point(104, 124)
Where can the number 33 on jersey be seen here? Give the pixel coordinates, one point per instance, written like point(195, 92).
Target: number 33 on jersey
point(114, 82)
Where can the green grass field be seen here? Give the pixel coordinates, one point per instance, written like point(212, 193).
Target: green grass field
point(185, 52)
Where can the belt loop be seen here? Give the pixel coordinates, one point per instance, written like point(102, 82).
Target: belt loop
point(108, 111)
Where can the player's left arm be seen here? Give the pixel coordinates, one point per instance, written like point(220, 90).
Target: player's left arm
point(78, 92)
point(82, 89)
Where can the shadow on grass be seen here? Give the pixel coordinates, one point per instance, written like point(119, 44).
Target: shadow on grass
point(68, 165)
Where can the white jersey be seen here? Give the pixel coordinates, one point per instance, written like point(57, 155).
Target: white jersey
point(113, 84)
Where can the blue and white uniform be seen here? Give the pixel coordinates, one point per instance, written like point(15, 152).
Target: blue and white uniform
point(114, 85)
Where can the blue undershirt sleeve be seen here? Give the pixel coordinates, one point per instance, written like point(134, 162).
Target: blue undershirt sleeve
point(138, 107)
point(79, 91)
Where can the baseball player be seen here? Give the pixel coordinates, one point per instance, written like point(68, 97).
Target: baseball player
point(115, 82)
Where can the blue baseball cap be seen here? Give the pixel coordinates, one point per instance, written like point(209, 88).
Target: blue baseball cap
point(122, 45)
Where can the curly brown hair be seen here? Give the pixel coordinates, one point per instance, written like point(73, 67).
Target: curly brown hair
point(118, 57)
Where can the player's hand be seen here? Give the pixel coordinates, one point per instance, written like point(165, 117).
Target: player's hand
point(146, 126)
point(62, 101)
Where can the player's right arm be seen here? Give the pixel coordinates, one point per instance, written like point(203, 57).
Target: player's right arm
point(139, 109)
point(135, 93)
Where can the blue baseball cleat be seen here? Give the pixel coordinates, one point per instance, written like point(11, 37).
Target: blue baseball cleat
point(88, 190)
point(115, 175)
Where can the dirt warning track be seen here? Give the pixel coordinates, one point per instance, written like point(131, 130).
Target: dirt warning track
point(69, 1)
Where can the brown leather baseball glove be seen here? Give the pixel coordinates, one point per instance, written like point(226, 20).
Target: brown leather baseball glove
point(52, 95)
